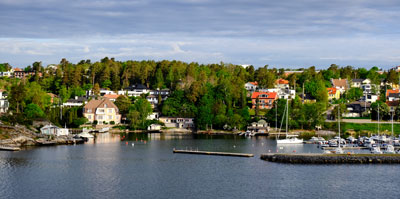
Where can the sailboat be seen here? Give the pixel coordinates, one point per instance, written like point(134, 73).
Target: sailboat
point(377, 149)
point(290, 139)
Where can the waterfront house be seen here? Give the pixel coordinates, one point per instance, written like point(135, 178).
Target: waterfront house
point(261, 126)
point(340, 84)
point(19, 73)
point(333, 93)
point(154, 127)
point(153, 116)
point(3, 101)
point(265, 100)
point(177, 122)
point(393, 97)
point(103, 111)
point(54, 130)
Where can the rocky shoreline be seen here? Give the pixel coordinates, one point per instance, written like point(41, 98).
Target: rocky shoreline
point(332, 158)
point(15, 137)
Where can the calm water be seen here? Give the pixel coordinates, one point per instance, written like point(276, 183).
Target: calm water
point(111, 168)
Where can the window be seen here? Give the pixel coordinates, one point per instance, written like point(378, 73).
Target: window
point(110, 117)
point(105, 105)
point(89, 110)
point(99, 117)
point(110, 110)
point(89, 117)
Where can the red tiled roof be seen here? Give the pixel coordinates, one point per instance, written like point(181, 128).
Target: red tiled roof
point(270, 95)
point(17, 69)
point(111, 96)
point(254, 83)
point(282, 81)
point(331, 90)
point(339, 83)
point(391, 91)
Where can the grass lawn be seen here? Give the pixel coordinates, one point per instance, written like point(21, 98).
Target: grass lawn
point(371, 127)
point(260, 112)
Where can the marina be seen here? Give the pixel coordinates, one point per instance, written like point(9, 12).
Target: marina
point(214, 153)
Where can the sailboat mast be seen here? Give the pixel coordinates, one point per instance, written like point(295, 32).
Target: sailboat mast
point(287, 116)
point(378, 119)
point(392, 124)
point(339, 122)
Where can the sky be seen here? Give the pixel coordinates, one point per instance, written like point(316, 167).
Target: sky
point(284, 33)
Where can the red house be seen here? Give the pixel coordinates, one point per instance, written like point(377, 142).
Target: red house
point(265, 99)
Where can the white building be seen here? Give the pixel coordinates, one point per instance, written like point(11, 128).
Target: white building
point(75, 102)
point(106, 92)
point(176, 122)
point(251, 86)
point(371, 98)
point(3, 101)
point(9, 73)
point(54, 130)
point(154, 127)
point(135, 90)
point(282, 93)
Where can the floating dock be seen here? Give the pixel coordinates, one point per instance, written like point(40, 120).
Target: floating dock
point(332, 158)
point(214, 153)
point(9, 148)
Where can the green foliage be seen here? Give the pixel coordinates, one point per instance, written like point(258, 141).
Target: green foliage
point(33, 111)
point(123, 103)
point(138, 113)
point(354, 94)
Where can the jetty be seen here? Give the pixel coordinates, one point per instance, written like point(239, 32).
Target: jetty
point(9, 148)
point(316, 158)
point(214, 153)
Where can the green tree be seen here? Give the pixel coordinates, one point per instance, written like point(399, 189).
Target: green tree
point(33, 111)
point(123, 103)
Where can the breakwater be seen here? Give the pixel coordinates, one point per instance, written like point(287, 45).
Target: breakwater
point(213, 153)
point(332, 158)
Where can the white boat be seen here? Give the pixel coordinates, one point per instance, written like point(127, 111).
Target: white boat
point(376, 150)
point(389, 149)
point(337, 139)
point(289, 139)
point(85, 134)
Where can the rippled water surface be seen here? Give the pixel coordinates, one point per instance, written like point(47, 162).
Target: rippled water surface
point(111, 168)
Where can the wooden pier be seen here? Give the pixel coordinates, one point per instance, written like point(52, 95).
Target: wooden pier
point(317, 158)
point(214, 153)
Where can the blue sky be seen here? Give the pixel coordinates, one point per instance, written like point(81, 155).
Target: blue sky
point(284, 33)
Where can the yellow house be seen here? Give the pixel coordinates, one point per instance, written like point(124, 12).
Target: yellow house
point(103, 111)
point(333, 93)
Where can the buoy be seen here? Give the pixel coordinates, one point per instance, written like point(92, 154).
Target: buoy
point(126, 143)
point(234, 146)
point(294, 151)
point(269, 151)
point(133, 144)
point(145, 141)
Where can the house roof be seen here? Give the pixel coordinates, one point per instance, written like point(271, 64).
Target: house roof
point(391, 91)
point(339, 83)
point(17, 69)
point(392, 103)
point(357, 80)
point(111, 96)
point(268, 95)
point(254, 83)
point(331, 90)
point(282, 81)
point(94, 104)
point(77, 100)
point(136, 86)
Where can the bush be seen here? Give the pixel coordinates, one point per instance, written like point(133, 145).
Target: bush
point(112, 122)
point(95, 122)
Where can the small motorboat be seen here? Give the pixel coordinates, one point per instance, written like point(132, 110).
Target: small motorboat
point(389, 149)
point(376, 150)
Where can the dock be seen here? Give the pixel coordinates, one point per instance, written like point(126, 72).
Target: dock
point(317, 158)
point(9, 148)
point(214, 153)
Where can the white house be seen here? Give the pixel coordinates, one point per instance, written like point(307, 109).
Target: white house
point(3, 101)
point(285, 93)
point(371, 98)
point(153, 116)
point(54, 130)
point(174, 122)
point(104, 91)
point(135, 90)
point(74, 102)
point(251, 86)
point(154, 127)
point(9, 73)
